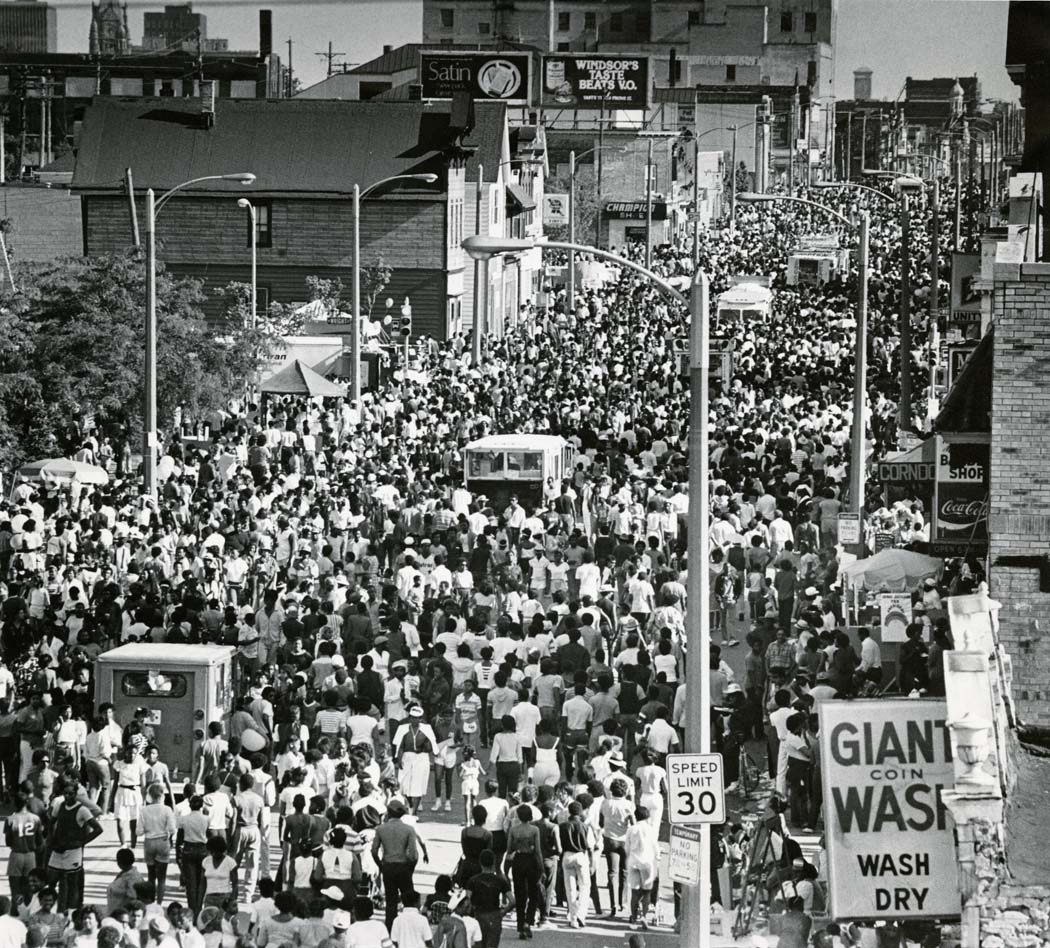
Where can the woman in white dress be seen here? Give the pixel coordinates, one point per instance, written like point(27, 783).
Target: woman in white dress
point(414, 743)
point(652, 782)
point(127, 803)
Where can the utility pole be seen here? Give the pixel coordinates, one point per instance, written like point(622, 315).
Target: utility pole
point(290, 74)
point(863, 141)
point(732, 192)
point(129, 185)
point(43, 121)
point(571, 299)
point(3, 147)
point(481, 292)
point(904, 420)
point(860, 382)
point(793, 139)
point(849, 146)
point(330, 57)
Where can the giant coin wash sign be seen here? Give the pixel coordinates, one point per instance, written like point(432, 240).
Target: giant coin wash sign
point(890, 840)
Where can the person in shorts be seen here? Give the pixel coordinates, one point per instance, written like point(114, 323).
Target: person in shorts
point(24, 834)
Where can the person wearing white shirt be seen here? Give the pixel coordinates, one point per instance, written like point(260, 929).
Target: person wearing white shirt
point(588, 577)
point(410, 928)
point(870, 653)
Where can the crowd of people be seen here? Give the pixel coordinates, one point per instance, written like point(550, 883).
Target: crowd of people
point(406, 647)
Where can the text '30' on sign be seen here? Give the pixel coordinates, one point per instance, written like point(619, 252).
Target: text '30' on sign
point(695, 789)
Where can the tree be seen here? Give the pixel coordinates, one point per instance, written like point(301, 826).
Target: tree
point(374, 279)
point(72, 344)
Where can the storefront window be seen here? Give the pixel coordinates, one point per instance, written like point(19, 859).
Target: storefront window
point(153, 684)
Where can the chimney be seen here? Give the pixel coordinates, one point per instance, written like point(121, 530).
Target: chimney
point(862, 84)
point(265, 33)
point(387, 48)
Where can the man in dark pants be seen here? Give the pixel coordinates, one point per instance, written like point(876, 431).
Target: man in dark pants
point(397, 841)
point(490, 895)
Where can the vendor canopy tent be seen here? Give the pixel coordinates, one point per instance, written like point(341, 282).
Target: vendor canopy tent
point(63, 471)
point(299, 379)
point(893, 569)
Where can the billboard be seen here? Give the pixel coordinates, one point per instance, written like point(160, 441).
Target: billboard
point(962, 492)
point(890, 840)
point(965, 300)
point(595, 82)
point(503, 76)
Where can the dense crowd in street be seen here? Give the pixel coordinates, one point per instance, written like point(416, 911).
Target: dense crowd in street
point(404, 646)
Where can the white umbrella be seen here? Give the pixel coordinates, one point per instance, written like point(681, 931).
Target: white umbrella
point(63, 471)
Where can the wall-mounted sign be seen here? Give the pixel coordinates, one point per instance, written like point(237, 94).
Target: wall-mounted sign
point(962, 492)
point(556, 209)
point(890, 840)
point(634, 210)
point(957, 355)
point(965, 300)
point(493, 75)
point(595, 82)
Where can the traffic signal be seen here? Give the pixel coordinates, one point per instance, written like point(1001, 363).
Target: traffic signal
point(405, 322)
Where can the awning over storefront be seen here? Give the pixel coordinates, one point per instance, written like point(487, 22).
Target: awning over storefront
point(519, 198)
point(968, 404)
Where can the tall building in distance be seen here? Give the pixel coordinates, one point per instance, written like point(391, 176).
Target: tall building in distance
point(178, 27)
point(27, 27)
point(109, 34)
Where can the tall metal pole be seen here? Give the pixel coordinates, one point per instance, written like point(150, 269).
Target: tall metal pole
point(696, 202)
point(935, 290)
point(481, 314)
point(792, 141)
point(732, 191)
point(149, 421)
point(957, 237)
point(479, 293)
point(849, 146)
point(598, 179)
point(696, 900)
point(905, 413)
point(860, 382)
point(649, 206)
point(255, 282)
point(572, 232)
point(3, 148)
point(355, 337)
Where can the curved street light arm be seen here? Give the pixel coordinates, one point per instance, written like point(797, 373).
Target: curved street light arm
point(615, 258)
point(245, 178)
point(772, 198)
point(427, 178)
point(859, 187)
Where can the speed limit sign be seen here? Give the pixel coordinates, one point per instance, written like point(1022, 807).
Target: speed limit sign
point(695, 789)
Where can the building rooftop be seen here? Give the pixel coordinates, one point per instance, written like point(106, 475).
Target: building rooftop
point(293, 146)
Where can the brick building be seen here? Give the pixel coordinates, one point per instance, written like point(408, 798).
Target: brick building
point(306, 157)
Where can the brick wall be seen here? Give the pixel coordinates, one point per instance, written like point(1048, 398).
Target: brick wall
point(305, 232)
point(1020, 481)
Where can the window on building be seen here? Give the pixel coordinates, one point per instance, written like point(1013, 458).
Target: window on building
point(644, 24)
point(616, 22)
point(811, 73)
point(494, 206)
point(262, 299)
point(810, 23)
point(731, 73)
point(448, 18)
point(564, 22)
point(676, 71)
point(694, 18)
point(263, 230)
point(484, 28)
point(565, 47)
point(590, 20)
point(787, 22)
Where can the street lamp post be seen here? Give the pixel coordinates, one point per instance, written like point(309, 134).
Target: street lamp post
point(696, 900)
point(355, 338)
point(860, 369)
point(649, 206)
point(250, 208)
point(154, 205)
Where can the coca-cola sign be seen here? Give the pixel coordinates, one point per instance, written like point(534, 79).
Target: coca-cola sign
point(962, 512)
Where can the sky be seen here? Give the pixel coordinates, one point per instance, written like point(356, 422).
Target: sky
point(895, 38)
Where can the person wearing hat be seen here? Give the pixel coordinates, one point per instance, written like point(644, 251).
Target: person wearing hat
point(395, 849)
point(413, 744)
